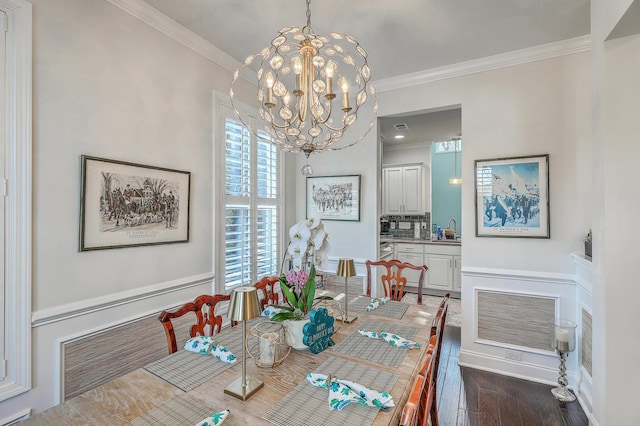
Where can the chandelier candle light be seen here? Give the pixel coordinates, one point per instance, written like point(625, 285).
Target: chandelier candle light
point(297, 77)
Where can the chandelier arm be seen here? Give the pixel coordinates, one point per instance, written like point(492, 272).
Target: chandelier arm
point(324, 120)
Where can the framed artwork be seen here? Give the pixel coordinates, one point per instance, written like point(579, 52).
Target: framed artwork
point(512, 197)
point(336, 197)
point(124, 204)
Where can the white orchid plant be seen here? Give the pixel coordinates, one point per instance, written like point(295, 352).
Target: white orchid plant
point(308, 248)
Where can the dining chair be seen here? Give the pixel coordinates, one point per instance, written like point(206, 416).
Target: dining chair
point(418, 408)
point(435, 348)
point(204, 309)
point(392, 280)
point(411, 409)
point(428, 410)
point(270, 291)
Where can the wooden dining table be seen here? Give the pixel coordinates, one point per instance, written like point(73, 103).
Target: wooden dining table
point(135, 394)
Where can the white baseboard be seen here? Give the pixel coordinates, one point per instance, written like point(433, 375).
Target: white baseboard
point(15, 418)
point(506, 367)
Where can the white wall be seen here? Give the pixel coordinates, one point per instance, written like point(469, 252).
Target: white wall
point(621, 205)
point(357, 240)
point(107, 85)
point(536, 108)
point(616, 178)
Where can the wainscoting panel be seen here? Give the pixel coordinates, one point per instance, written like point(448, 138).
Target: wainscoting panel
point(586, 341)
point(515, 319)
point(94, 359)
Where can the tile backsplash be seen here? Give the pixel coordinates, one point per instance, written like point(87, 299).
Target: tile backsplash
point(405, 226)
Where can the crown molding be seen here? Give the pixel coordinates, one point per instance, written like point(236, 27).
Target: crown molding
point(537, 53)
point(158, 20)
point(390, 146)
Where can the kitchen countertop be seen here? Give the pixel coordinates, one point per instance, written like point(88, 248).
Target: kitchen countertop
point(420, 241)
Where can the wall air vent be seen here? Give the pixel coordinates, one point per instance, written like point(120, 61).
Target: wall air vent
point(400, 126)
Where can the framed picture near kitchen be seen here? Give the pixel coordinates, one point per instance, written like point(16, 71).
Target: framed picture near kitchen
point(512, 197)
point(125, 204)
point(336, 197)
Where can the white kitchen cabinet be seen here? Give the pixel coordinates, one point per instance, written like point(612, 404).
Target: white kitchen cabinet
point(444, 263)
point(440, 272)
point(402, 190)
point(457, 273)
point(411, 253)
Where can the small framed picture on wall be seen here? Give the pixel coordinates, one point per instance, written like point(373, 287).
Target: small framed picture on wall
point(336, 197)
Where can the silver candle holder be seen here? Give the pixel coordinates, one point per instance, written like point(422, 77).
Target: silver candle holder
point(563, 340)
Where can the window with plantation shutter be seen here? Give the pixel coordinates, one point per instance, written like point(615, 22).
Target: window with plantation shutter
point(251, 237)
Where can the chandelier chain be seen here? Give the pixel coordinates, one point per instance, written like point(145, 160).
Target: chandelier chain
point(308, 26)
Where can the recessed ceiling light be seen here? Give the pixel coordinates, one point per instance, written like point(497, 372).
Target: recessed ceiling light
point(399, 136)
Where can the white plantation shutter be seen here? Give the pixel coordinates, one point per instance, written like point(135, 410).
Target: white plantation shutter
point(250, 205)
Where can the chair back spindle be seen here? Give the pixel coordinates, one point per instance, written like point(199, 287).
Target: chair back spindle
point(207, 322)
point(393, 281)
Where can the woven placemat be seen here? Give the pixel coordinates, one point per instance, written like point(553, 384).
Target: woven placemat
point(391, 309)
point(376, 350)
point(187, 370)
point(179, 410)
point(309, 405)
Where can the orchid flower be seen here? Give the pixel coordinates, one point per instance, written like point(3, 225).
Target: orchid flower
point(297, 249)
point(321, 258)
point(316, 240)
point(299, 232)
point(315, 221)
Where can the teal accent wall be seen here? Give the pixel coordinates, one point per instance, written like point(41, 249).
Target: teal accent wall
point(446, 200)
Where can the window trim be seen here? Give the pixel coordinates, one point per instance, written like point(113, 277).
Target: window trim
point(220, 104)
point(17, 227)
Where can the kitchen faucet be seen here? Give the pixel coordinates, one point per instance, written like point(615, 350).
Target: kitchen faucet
point(455, 226)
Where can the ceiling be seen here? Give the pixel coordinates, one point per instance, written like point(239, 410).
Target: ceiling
point(401, 37)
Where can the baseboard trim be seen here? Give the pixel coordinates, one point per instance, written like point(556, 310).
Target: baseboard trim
point(71, 310)
point(16, 417)
point(505, 367)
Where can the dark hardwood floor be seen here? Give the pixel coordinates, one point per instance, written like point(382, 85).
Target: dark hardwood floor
point(467, 396)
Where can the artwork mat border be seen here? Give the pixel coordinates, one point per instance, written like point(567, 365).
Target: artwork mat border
point(311, 211)
point(519, 232)
point(88, 240)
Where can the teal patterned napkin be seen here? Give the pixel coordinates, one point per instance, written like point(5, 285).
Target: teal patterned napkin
point(206, 344)
point(344, 392)
point(214, 419)
point(270, 311)
point(375, 302)
point(392, 339)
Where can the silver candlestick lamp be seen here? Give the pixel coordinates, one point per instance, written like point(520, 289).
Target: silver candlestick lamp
point(563, 340)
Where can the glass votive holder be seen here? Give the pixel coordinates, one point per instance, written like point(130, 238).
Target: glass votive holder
point(563, 335)
point(266, 344)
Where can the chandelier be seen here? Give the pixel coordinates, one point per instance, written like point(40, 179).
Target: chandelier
point(298, 76)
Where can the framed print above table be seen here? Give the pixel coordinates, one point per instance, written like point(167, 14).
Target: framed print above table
point(125, 204)
point(336, 197)
point(512, 197)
